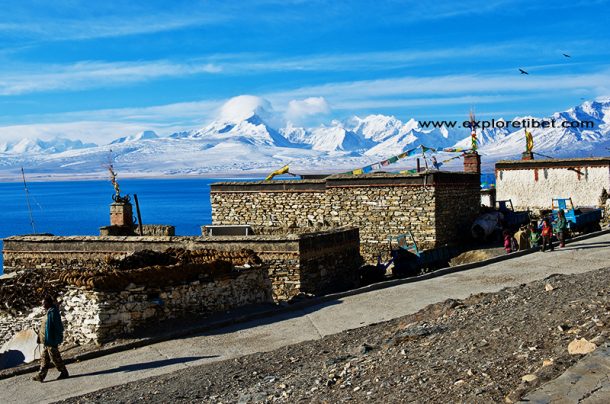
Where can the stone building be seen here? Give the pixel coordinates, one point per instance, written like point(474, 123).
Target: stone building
point(532, 184)
point(297, 260)
point(292, 262)
point(436, 207)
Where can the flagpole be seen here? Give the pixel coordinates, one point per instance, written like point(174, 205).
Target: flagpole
point(27, 199)
point(423, 153)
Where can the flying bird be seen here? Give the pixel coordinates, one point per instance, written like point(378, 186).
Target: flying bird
point(523, 71)
point(566, 55)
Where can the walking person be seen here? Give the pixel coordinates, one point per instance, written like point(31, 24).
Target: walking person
point(547, 234)
point(561, 227)
point(50, 335)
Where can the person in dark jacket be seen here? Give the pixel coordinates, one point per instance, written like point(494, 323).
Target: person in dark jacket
point(561, 227)
point(50, 335)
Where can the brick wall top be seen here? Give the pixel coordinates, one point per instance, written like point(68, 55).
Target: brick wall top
point(428, 178)
point(552, 163)
point(113, 240)
point(269, 186)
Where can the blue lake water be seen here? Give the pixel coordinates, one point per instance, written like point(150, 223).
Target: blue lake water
point(82, 207)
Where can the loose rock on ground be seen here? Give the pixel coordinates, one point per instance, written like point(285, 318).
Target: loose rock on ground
point(487, 348)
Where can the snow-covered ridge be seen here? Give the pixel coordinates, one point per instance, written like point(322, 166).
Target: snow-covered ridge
point(144, 135)
point(247, 138)
point(37, 146)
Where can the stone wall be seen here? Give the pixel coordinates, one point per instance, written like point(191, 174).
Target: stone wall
point(383, 211)
point(267, 204)
point(12, 324)
point(95, 316)
point(147, 230)
point(457, 206)
point(305, 261)
point(432, 205)
point(157, 230)
point(533, 184)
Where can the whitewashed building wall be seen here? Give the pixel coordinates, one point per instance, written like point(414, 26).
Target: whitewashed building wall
point(533, 184)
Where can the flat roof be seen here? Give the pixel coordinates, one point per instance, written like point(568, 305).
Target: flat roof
point(424, 178)
point(559, 162)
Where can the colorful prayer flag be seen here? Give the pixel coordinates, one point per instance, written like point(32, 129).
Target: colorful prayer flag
point(280, 171)
point(412, 152)
point(529, 141)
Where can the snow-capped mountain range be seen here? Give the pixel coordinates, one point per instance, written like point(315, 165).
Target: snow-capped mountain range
point(249, 142)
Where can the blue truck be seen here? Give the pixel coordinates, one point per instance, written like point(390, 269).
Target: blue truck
point(581, 220)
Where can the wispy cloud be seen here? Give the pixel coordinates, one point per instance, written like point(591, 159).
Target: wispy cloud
point(81, 20)
point(25, 79)
point(345, 98)
point(364, 60)
point(78, 20)
point(85, 75)
point(341, 95)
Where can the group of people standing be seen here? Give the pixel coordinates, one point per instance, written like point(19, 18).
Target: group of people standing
point(538, 234)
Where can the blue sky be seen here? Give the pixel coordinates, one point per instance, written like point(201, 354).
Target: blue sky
point(101, 70)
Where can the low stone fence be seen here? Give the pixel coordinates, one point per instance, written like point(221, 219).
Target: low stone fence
point(100, 316)
point(11, 324)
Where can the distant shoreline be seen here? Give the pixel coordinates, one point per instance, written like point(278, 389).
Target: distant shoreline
point(35, 177)
point(92, 177)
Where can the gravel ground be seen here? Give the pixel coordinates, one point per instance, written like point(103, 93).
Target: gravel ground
point(474, 350)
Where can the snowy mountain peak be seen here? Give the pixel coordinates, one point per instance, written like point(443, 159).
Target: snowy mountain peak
point(377, 127)
point(144, 135)
point(245, 137)
point(37, 146)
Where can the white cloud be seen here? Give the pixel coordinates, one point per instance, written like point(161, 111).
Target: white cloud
point(342, 95)
point(92, 74)
point(25, 79)
point(102, 126)
point(243, 107)
point(300, 110)
point(73, 20)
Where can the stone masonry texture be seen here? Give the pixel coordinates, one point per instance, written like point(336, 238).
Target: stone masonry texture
point(436, 207)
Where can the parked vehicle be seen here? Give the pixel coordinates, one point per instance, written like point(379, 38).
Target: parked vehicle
point(406, 259)
point(495, 221)
point(582, 220)
point(512, 219)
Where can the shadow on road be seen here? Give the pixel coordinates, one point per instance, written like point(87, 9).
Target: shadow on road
point(587, 246)
point(147, 365)
point(11, 358)
point(296, 312)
